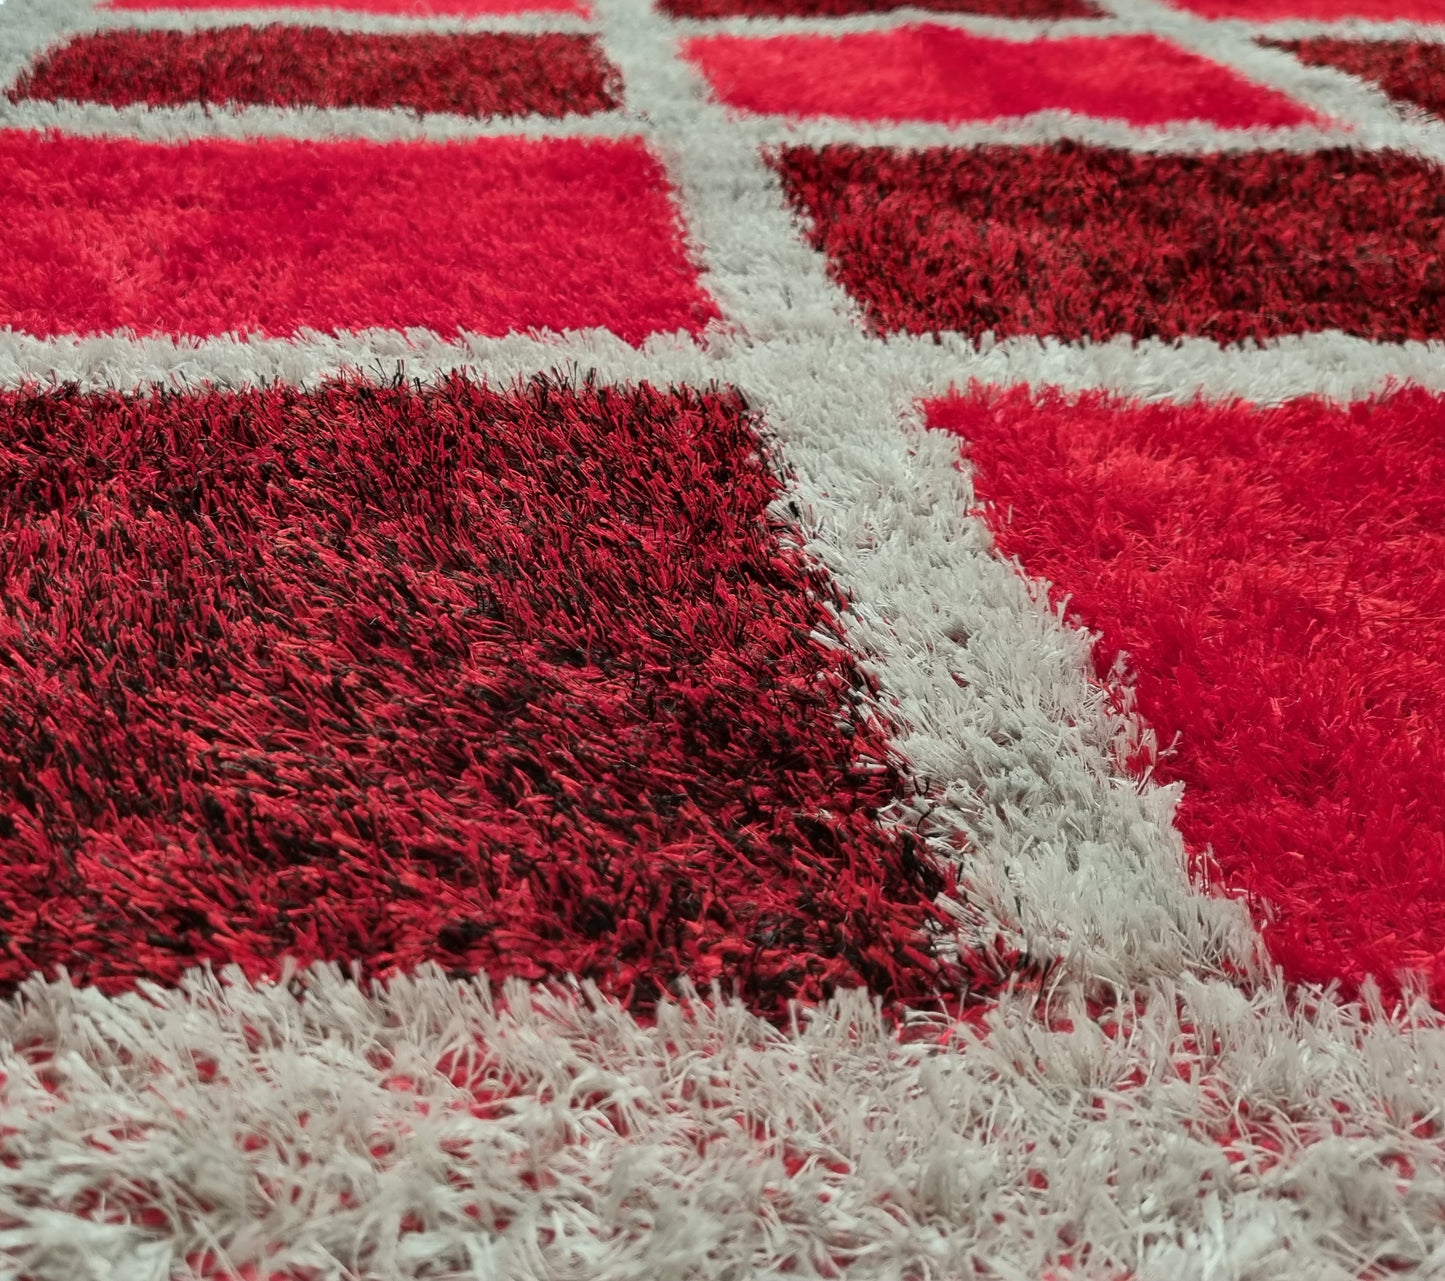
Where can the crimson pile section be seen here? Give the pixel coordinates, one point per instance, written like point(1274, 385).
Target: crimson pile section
point(523, 685)
point(1274, 579)
point(937, 73)
point(487, 236)
point(477, 74)
point(1078, 242)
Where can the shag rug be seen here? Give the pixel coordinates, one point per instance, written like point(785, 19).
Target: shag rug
point(738, 639)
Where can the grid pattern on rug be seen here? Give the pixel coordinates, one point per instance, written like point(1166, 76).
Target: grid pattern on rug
point(776, 711)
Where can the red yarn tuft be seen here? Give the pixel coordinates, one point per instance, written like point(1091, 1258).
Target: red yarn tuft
point(1275, 580)
point(938, 73)
point(1085, 242)
point(490, 235)
point(477, 74)
point(523, 685)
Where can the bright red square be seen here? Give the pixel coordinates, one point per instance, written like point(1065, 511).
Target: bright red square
point(1275, 582)
point(490, 236)
point(944, 74)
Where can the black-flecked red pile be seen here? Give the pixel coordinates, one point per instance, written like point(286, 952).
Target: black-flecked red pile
point(470, 74)
point(1076, 242)
point(521, 684)
point(1407, 70)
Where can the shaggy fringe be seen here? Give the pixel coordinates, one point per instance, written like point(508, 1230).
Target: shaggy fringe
point(430, 1129)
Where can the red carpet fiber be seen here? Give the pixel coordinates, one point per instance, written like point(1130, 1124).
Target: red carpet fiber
point(516, 685)
point(472, 74)
point(272, 236)
point(710, 639)
point(1272, 580)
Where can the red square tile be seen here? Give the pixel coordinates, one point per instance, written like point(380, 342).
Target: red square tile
point(1275, 579)
point(943, 74)
point(490, 236)
point(518, 684)
point(1083, 242)
point(473, 74)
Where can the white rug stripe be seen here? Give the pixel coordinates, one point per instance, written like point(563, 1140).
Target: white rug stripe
point(180, 124)
point(337, 1135)
point(1331, 365)
point(1185, 137)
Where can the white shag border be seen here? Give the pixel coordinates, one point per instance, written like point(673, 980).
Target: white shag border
point(1193, 1134)
point(1186, 137)
point(194, 121)
point(1334, 366)
point(29, 27)
point(328, 1132)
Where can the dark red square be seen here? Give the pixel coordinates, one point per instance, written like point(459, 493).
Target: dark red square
point(520, 684)
point(1077, 242)
point(463, 73)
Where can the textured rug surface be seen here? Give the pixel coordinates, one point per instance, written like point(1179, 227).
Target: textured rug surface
point(722, 639)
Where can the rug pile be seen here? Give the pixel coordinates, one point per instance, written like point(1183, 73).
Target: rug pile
point(722, 639)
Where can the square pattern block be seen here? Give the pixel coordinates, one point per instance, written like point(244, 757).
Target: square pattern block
point(1275, 578)
point(1076, 242)
point(488, 236)
point(522, 684)
point(462, 73)
point(937, 73)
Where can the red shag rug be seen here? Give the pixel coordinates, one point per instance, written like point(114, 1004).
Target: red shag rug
point(745, 638)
